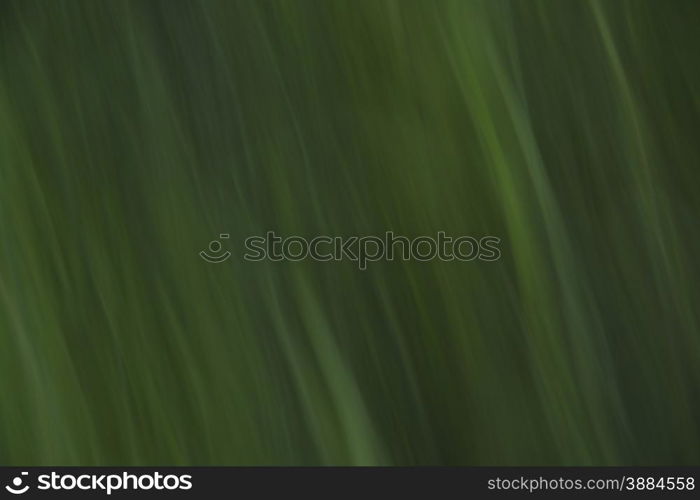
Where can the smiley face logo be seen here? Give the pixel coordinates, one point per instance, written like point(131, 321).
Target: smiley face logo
point(214, 253)
point(16, 487)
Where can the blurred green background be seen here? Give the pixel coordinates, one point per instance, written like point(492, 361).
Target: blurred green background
point(134, 133)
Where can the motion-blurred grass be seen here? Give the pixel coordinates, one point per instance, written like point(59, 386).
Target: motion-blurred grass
point(133, 133)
